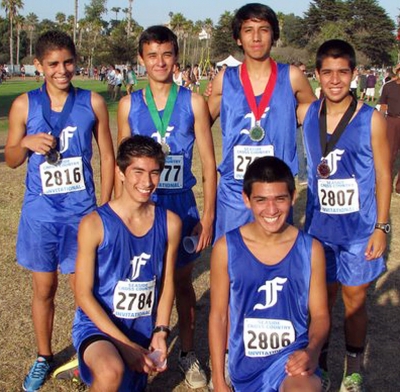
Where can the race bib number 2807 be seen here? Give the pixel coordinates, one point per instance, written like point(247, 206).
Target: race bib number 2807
point(338, 196)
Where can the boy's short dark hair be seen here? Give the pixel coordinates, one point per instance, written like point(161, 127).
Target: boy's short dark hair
point(159, 34)
point(335, 48)
point(255, 11)
point(268, 169)
point(138, 146)
point(53, 40)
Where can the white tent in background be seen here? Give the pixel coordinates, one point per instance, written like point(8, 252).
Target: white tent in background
point(230, 61)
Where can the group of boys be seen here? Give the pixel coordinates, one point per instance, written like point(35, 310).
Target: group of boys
point(270, 302)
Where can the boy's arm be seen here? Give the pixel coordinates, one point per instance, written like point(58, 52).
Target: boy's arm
point(218, 321)
point(90, 236)
point(215, 97)
point(209, 172)
point(166, 300)
point(18, 142)
point(103, 138)
point(304, 362)
point(124, 131)
point(301, 86)
point(381, 153)
point(301, 112)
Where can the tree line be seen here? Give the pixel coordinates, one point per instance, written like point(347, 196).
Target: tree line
point(363, 23)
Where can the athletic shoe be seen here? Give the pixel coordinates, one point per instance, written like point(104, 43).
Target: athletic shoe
point(37, 375)
point(352, 383)
point(325, 381)
point(68, 371)
point(191, 368)
point(227, 376)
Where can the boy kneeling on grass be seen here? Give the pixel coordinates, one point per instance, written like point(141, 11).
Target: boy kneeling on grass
point(268, 277)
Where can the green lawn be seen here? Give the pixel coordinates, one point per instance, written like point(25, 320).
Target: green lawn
point(14, 87)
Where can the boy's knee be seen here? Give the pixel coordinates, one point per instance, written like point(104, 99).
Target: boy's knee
point(301, 384)
point(108, 375)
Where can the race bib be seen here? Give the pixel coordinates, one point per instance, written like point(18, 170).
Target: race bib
point(244, 155)
point(133, 299)
point(172, 175)
point(65, 177)
point(264, 337)
point(338, 196)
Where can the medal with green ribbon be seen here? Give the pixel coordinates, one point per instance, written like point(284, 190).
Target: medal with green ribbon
point(162, 123)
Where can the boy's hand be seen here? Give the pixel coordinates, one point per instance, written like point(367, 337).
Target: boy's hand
point(376, 245)
point(135, 357)
point(203, 229)
point(302, 362)
point(158, 342)
point(40, 143)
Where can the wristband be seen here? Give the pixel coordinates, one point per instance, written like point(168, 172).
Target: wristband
point(162, 328)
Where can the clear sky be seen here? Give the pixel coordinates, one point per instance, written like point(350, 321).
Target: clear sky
point(150, 12)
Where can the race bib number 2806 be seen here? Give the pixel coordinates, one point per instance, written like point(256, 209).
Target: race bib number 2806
point(264, 337)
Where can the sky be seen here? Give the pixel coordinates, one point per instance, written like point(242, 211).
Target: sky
point(151, 12)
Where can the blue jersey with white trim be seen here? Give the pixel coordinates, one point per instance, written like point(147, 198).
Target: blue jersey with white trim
point(124, 257)
point(65, 192)
point(179, 136)
point(268, 307)
point(342, 208)
point(278, 121)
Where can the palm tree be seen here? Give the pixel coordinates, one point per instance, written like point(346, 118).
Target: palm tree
point(116, 10)
point(129, 27)
point(70, 24)
point(75, 19)
point(19, 23)
point(208, 27)
point(12, 7)
point(177, 24)
point(31, 22)
point(60, 18)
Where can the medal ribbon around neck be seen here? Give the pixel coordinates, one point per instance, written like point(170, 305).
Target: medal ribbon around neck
point(266, 96)
point(161, 123)
point(55, 129)
point(326, 148)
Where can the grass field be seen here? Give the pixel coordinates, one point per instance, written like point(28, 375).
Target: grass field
point(17, 346)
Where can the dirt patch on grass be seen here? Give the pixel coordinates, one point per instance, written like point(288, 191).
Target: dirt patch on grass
point(16, 331)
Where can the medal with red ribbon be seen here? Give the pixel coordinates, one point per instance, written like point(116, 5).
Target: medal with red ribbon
point(257, 132)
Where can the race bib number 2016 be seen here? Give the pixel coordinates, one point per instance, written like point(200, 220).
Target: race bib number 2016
point(264, 337)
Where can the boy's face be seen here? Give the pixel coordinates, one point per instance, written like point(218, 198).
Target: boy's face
point(58, 67)
point(256, 38)
point(141, 178)
point(159, 60)
point(335, 77)
point(270, 204)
